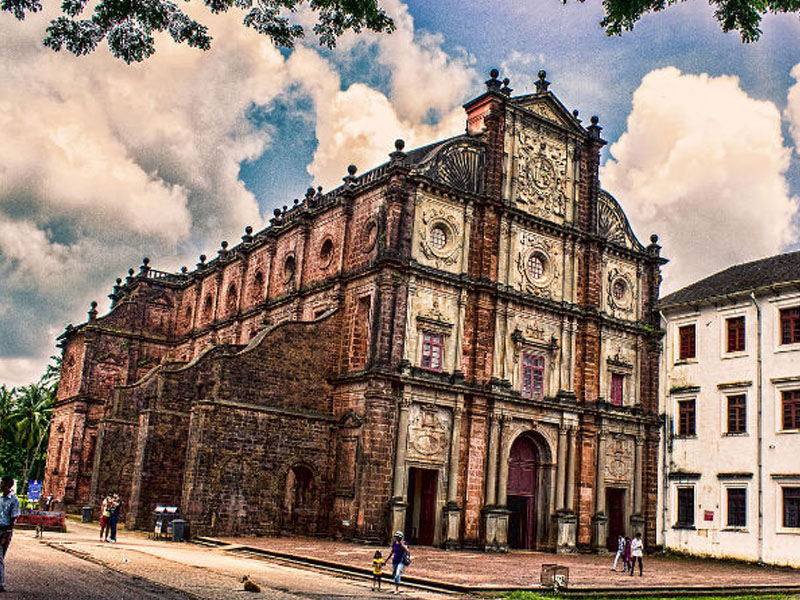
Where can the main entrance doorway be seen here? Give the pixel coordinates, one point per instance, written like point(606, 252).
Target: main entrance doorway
point(616, 516)
point(421, 511)
point(522, 475)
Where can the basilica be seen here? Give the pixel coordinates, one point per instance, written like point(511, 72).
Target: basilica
point(461, 343)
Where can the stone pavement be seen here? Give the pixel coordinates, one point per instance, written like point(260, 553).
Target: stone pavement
point(204, 573)
point(523, 568)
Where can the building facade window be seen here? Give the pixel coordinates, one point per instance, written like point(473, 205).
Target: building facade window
point(790, 409)
point(532, 376)
point(735, 328)
point(791, 507)
point(790, 325)
point(686, 417)
point(685, 507)
point(617, 388)
point(431, 351)
point(737, 507)
point(687, 349)
point(737, 414)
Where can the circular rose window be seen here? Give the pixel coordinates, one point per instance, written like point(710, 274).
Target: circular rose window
point(618, 289)
point(438, 237)
point(536, 266)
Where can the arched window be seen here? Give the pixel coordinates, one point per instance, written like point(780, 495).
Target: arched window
point(257, 292)
point(208, 307)
point(299, 483)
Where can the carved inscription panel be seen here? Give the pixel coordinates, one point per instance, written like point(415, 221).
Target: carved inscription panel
point(541, 181)
point(428, 433)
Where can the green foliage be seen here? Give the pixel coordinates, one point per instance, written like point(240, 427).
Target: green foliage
point(25, 426)
point(743, 16)
point(129, 27)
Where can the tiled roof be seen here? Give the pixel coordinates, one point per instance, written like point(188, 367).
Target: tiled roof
point(781, 268)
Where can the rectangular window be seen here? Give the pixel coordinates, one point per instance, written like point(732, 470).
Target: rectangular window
point(737, 507)
point(737, 414)
point(532, 376)
point(736, 334)
point(432, 351)
point(686, 421)
point(617, 388)
point(685, 507)
point(791, 507)
point(687, 342)
point(790, 325)
point(790, 401)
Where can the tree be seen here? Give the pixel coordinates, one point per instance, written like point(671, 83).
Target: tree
point(32, 419)
point(12, 459)
point(743, 16)
point(128, 26)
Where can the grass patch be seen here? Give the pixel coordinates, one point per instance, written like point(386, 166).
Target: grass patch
point(520, 595)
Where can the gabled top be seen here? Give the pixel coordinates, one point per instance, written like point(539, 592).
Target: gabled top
point(776, 270)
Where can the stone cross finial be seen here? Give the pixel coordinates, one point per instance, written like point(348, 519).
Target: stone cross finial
point(542, 84)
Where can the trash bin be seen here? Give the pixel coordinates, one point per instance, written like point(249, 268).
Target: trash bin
point(178, 527)
point(86, 514)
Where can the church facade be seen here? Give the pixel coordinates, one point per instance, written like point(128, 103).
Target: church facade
point(461, 343)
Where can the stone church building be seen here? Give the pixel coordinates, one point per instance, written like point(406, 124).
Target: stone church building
point(461, 343)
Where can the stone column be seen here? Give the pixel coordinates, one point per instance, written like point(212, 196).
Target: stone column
point(398, 487)
point(600, 517)
point(561, 467)
point(570, 487)
point(505, 452)
point(452, 509)
point(491, 462)
point(637, 520)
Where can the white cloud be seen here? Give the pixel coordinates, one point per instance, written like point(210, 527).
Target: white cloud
point(102, 163)
point(522, 68)
point(792, 112)
point(703, 165)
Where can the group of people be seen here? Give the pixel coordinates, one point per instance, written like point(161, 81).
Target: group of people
point(109, 516)
point(400, 556)
point(631, 552)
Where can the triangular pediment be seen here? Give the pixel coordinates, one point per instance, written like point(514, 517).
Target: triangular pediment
point(548, 107)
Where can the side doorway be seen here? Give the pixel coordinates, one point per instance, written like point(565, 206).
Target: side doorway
point(522, 476)
point(616, 516)
point(421, 511)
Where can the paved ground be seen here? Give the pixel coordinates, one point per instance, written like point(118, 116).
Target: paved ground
point(137, 567)
point(521, 568)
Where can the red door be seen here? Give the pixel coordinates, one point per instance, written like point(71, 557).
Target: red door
point(522, 494)
point(616, 516)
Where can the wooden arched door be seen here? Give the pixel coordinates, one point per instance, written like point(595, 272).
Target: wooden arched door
point(522, 476)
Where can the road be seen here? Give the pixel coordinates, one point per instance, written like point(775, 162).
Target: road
point(76, 565)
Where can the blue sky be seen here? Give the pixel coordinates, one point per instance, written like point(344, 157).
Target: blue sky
point(102, 164)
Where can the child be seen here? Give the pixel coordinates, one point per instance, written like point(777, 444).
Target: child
point(627, 555)
point(377, 569)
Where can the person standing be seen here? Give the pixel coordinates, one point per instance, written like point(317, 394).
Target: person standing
point(626, 555)
point(105, 518)
point(401, 558)
point(637, 551)
point(620, 551)
point(9, 511)
point(116, 504)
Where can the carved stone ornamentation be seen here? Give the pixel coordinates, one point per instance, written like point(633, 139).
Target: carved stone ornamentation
point(439, 237)
point(619, 459)
point(540, 174)
point(458, 164)
point(620, 290)
point(612, 223)
point(537, 264)
point(428, 428)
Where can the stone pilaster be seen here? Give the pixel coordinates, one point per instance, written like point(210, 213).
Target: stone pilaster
point(398, 487)
point(600, 520)
point(452, 510)
point(637, 519)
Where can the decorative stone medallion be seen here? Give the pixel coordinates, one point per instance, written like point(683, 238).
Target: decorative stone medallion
point(541, 168)
point(439, 238)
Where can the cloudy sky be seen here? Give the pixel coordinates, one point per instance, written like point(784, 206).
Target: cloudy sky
point(103, 163)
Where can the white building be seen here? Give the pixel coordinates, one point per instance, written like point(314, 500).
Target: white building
point(730, 392)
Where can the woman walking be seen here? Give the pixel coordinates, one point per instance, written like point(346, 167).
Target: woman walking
point(401, 558)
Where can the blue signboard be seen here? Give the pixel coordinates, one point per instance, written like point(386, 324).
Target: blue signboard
point(34, 490)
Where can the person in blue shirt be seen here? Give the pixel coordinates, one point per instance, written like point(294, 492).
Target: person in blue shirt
point(9, 511)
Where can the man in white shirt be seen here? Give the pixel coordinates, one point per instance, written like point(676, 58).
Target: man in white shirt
point(637, 550)
point(9, 511)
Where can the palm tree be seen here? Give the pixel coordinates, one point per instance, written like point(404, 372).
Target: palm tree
point(32, 418)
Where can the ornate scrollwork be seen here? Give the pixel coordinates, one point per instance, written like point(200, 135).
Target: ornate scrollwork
point(458, 164)
point(620, 290)
point(612, 223)
point(540, 174)
point(439, 237)
point(537, 265)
